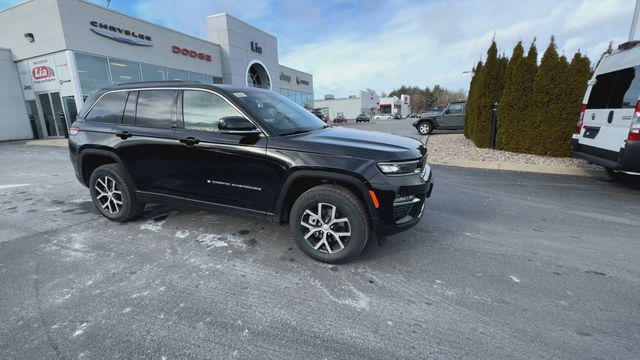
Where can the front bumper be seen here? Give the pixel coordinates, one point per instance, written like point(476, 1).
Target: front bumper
point(395, 216)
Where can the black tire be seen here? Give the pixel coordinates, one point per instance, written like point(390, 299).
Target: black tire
point(130, 207)
point(425, 128)
point(348, 206)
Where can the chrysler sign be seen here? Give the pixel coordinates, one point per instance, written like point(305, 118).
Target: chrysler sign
point(119, 34)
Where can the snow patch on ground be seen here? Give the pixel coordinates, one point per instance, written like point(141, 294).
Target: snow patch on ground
point(80, 329)
point(514, 278)
point(151, 225)
point(181, 234)
point(359, 300)
point(212, 240)
point(11, 186)
point(79, 201)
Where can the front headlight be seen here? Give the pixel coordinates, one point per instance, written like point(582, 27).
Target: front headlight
point(399, 168)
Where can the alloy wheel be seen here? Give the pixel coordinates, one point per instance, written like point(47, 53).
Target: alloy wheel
point(109, 197)
point(424, 128)
point(325, 229)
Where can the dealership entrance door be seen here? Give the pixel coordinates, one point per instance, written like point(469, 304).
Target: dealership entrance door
point(54, 116)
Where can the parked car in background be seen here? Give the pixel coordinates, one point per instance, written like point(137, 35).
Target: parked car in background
point(251, 150)
point(317, 113)
point(340, 119)
point(383, 117)
point(452, 118)
point(397, 116)
point(608, 130)
point(362, 117)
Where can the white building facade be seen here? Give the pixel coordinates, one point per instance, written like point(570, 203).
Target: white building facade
point(396, 105)
point(367, 102)
point(61, 50)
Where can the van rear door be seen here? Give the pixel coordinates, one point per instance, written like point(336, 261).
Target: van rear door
point(610, 107)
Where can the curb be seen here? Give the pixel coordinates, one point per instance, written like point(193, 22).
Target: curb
point(544, 169)
point(48, 142)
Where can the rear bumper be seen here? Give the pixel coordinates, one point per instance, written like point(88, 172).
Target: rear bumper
point(627, 159)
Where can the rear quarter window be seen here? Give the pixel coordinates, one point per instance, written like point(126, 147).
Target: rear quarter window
point(108, 109)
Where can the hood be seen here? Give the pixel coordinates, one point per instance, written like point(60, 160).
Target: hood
point(341, 141)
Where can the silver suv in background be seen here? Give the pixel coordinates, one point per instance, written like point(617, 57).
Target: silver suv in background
point(452, 118)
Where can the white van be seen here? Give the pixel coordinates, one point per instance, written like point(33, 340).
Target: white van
point(608, 132)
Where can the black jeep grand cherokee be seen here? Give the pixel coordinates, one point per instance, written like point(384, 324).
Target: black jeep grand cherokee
point(251, 150)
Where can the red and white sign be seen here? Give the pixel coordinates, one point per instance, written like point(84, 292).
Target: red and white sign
point(42, 72)
point(190, 53)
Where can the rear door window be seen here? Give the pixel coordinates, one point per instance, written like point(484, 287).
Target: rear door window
point(626, 90)
point(616, 90)
point(154, 109)
point(108, 109)
point(455, 109)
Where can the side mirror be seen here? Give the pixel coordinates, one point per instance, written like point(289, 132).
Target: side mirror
point(236, 124)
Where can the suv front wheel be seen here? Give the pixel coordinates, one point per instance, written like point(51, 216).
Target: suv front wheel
point(425, 128)
point(112, 192)
point(329, 223)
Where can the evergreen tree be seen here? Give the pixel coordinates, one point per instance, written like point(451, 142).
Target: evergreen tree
point(472, 100)
point(548, 97)
point(490, 90)
point(509, 100)
point(573, 87)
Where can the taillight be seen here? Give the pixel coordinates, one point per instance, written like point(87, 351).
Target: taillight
point(583, 109)
point(634, 129)
point(73, 130)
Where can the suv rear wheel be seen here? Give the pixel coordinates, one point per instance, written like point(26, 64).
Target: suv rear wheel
point(329, 223)
point(112, 192)
point(425, 128)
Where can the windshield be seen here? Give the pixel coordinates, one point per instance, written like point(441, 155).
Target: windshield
point(277, 113)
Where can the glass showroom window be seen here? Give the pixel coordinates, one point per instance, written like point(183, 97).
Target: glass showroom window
point(153, 73)
point(175, 74)
point(93, 72)
point(201, 78)
point(124, 71)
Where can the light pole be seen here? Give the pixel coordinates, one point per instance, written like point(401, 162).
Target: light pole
point(634, 22)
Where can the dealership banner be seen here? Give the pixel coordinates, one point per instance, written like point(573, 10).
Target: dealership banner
point(25, 80)
point(63, 74)
point(43, 74)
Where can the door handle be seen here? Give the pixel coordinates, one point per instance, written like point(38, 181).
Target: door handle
point(610, 118)
point(124, 134)
point(189, 141)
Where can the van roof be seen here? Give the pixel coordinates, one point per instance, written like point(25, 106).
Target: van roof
point(619, 59)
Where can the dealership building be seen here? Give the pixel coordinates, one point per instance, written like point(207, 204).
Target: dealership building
point(53, 53)
point(367, 102)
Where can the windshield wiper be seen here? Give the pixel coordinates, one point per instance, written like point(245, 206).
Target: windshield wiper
point(295, 132)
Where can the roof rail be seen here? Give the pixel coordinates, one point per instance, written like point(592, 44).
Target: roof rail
point(160, 82)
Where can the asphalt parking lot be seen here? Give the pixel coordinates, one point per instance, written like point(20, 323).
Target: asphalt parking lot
point(503, 265)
